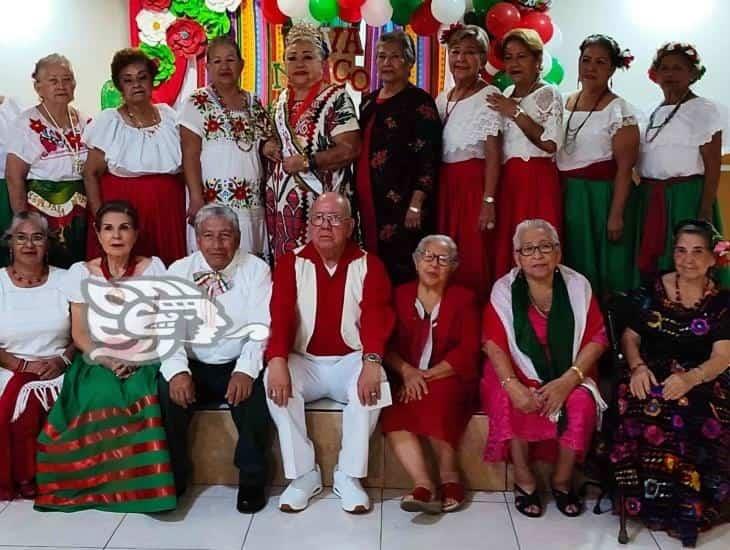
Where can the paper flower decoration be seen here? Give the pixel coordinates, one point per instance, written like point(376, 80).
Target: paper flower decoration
point(153, 26)
point(165, 59)
point(215, 23)
point(186, 38)
point(189, 8)
point(222, 5)
point(155, 5)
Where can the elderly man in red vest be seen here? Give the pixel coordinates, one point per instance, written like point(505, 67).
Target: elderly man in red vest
point(331, 317)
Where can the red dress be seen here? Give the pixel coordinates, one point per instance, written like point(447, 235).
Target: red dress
point(445, 411)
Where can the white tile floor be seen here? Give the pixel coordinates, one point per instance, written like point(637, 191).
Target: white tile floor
point(207, 519)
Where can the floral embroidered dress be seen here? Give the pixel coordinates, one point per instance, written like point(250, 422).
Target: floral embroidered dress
point(54, 183)
point(672, 458)
point(232, 170)
point(400, 155)
point(290, 196)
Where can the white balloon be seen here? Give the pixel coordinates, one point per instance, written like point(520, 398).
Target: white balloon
point(376, 13)
point(448, 11)
point(294, 8)
point(547, 62)
point(556, 40)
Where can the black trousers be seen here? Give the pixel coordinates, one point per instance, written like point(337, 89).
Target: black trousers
point(251, 418)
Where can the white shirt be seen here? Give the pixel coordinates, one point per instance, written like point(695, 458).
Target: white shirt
point(245, 302)
point(469, 123)
point(675, 151)
point(132, 152)
point(9, 111)
point(594, 141)
point(36, 141)
point(425, 360)
point(23, 331)
point(545, 107)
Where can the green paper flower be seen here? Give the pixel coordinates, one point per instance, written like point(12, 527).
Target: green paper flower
point(189, 8)
point(165, 61)
point(111, 98)
point(216, 24)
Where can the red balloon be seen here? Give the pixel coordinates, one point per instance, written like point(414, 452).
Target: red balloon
point(502, 18)
point(350, 4)
point(272, 13)
point(539, 22)
point(423, 22)
point(351, 15)
point(494, 57)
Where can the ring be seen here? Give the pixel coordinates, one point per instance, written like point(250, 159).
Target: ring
point(373, 394)
point(490, 225)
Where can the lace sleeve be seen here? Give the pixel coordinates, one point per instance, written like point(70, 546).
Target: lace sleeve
point(621, 115)
point(550, 114)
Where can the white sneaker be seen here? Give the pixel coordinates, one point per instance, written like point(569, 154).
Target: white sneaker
point(354, 498)
point(297, 495)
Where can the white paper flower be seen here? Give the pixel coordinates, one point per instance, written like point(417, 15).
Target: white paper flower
point(153, 25)
point(222, 5)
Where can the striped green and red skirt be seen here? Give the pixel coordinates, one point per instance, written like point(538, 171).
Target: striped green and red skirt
point(104, 445)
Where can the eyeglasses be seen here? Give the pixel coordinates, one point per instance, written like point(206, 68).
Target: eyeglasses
point(444, 260)
point(335, 220)
point(544, 248)
point(34, 239)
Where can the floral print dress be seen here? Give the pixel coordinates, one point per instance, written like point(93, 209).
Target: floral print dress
point(672, 458)
point(232, 169)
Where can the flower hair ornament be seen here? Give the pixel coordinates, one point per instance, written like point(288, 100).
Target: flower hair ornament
point(626, 58)
point(448, 33)
point(308, 33)
point(722, 253)
point(684, 48)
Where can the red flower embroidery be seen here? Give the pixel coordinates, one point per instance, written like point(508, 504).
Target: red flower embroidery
point(36, 125)
point(379, 158)
point(239, 126)
point(74, 140)
point(48, 144)
point(186, 38)
point(241, 193)
point(200, 99)
point(212, 126)
point(156, 5)
point(210, 195)
point(427, 112)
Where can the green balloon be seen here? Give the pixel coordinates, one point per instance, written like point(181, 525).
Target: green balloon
point(556, 73)
point(483, 6)
point(323, 10)
point(403, 11)
point(502, 80)
point(111, 98)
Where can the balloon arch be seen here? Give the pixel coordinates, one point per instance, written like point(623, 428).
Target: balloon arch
point(175, 32)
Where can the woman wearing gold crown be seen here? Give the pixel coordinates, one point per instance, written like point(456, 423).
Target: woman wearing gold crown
point(318, 133)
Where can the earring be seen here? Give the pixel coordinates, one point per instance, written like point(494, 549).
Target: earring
point(11, 255)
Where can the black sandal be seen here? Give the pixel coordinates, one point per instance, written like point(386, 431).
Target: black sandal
point(563, 500)
point(523, 500)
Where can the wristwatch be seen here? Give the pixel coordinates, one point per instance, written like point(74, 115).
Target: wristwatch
point(306, 163)
point(373, 358)
point(519, 111)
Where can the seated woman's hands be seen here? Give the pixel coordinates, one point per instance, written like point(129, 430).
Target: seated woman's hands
point(642, 379)
point(524, 399)
point(46, 369)
point(415, 385)
point(553, 394)
point(678, 384)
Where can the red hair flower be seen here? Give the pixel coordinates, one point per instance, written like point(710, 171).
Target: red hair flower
point(448, 33)
point(722, 253)
point(186, 38)
point(156, 5)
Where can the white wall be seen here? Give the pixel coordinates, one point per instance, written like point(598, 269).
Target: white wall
point(642, 26)
point(88, 32)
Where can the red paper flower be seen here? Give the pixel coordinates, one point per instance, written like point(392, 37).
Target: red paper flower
point(186, 38)
point(156, 5)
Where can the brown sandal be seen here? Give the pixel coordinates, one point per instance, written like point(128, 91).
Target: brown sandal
point(452, 491)
point(420, 500)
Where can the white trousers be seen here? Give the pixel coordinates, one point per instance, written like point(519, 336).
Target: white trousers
point(314, 378)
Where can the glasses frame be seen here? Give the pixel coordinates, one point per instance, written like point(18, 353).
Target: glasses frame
point(544, 248)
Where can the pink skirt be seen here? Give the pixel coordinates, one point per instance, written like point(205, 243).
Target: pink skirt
point(506, 423)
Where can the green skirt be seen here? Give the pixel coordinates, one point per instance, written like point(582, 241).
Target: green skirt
point(681, 202)
point(63, 204)
point(104, 445)
point(6, 216)
point(609, 266)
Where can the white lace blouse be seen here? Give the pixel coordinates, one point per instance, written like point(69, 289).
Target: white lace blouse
point(594, 142)
point(132, 152)
point(470, 122)
point(675, 151)
point(545, 107)
point(9, 111)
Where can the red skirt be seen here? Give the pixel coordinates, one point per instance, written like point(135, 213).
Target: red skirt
point(461, 190)
point(160, 203)
point(441, 414)
point(527, 190)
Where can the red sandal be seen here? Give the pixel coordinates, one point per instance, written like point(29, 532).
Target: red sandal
point(420, 500)
point(452, 491)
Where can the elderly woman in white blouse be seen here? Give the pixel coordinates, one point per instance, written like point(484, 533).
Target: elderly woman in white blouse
point(134, 155)
point(471, 158)
point(532, 112)
point(596, 160)
point(45, 161)
point(34, 350)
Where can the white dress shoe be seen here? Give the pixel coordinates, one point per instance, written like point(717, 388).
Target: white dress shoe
point(354, 498)
point(296, 497)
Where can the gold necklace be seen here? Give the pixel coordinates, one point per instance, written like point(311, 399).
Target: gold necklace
point(78, 162)
point(466, 95)
point(139, 124)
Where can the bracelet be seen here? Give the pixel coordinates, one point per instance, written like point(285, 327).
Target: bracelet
point(579, 372)
point(306, 163)
point(414, 209)
point(636, 366)
point(508, 379)
point(519, 111)
point(489, 199)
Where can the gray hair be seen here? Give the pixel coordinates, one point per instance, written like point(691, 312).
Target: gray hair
point(404, 41)
point(216, 211)
point(478, 34)
point(52, 59)
point(342, 200)
point(26, 216)
point(442, 239)
point(534, 224)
